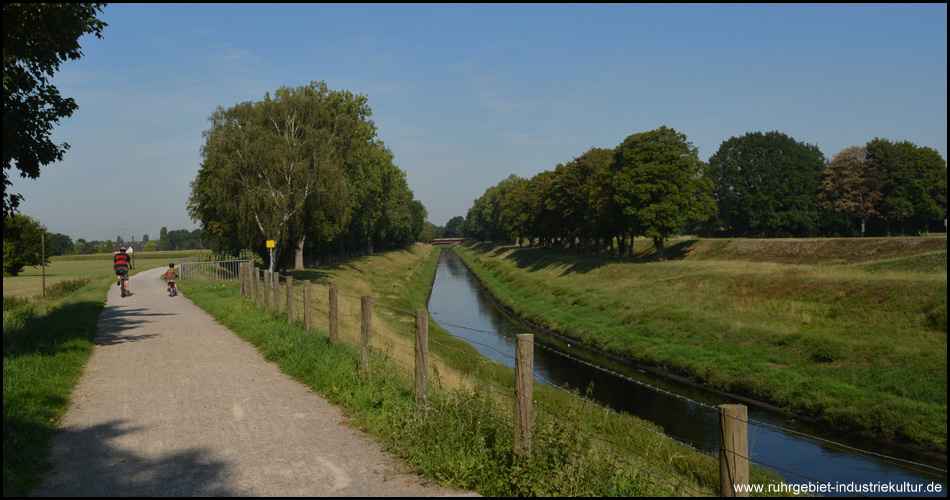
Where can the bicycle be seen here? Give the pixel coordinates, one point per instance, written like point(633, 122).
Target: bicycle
point(172, 289)
point(124, 286)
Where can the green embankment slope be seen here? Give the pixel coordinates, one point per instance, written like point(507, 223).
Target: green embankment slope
point(849, 331)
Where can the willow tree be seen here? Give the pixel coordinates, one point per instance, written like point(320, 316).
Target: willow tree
point(267, 163)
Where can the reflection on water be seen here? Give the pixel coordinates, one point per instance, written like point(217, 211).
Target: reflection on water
point(457, 300)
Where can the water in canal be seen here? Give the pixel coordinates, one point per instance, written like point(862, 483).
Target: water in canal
point(461, 307)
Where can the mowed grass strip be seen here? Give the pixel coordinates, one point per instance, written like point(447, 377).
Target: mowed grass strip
point(854, 341)
point(46, 343)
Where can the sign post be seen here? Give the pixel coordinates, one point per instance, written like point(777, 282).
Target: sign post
point(271, 244)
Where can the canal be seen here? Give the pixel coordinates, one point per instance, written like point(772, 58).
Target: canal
point(802, 452)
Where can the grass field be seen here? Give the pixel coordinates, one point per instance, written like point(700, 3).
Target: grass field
point(852, 332)
point(68, 267)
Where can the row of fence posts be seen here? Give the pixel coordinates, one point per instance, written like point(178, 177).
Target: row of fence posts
point(257, 285)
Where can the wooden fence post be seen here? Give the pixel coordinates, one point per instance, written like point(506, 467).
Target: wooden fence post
point(366, 328)
point(252, 282)
point(276, 284)
point(306, 305)
point(524, 390)
point(334, 317)
point(267, 281)
point(422, 355)
point(258, 288)
point(250, 274)
point(246, 280)
point(290, 300)
point(733, 450)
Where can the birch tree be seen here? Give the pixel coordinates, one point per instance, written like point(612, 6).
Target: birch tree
point(265, 161)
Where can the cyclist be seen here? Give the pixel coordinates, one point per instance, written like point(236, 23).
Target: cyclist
point(121, 264)
point(170, 275)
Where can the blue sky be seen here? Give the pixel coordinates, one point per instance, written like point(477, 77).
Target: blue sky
point(466, 95)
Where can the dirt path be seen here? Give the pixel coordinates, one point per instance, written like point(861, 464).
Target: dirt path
point(174, 404)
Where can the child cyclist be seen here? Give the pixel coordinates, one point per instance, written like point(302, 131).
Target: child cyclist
point(170, 275)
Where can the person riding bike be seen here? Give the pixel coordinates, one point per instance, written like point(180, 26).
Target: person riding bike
point(170, 275)
point(121, 264)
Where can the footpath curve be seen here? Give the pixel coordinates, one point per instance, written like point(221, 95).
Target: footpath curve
point(174, 404)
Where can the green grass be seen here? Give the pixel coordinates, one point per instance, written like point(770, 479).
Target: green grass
point(463, 438)
point(69, 267)
point(852, 332)
point(46, 343)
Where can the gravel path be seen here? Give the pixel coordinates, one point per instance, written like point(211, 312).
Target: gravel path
point(174, 404)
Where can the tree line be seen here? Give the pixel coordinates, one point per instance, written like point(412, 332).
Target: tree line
point(305, 170)
point(757, 185)
point(26, 240)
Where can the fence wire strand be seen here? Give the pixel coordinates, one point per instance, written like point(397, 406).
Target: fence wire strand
point(263, 285)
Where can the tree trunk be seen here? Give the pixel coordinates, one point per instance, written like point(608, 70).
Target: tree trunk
point(658, 244)
point(298, 259)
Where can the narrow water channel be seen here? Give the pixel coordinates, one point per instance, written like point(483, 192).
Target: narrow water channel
point(459, 305)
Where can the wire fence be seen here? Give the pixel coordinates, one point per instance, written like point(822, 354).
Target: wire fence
point(391, 338)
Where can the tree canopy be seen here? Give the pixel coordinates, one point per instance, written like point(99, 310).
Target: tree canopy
point(766, 184)
point(659, 184)
point(651, 185)
point(915, 192)
point(853, 185)
point(303, 168)
point(22, 243)
point(37, 37)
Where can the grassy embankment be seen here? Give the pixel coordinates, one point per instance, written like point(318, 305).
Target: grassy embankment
point(463, 437)
point(46, 343)
point(851, 332)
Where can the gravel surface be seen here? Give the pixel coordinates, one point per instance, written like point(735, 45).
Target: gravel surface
point(174, 404)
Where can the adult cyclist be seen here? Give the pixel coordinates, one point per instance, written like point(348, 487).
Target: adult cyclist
point(121, 264)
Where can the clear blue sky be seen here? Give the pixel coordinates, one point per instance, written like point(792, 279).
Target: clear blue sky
point(466, 95)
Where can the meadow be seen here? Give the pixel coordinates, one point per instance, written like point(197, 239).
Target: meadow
point(70, 267)
point(850, 332)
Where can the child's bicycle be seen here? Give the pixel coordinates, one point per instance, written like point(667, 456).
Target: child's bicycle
point(172, 289)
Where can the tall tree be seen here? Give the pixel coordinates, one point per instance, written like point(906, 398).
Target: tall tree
point(574, 190)
point(767, 184)
point(267, 160)
point(59, 244)
point(37, 37)
point(661, 184)
point(451, 227)
point(916, 188)
point(853, 185)
point(485, 219)
point(22, 243)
